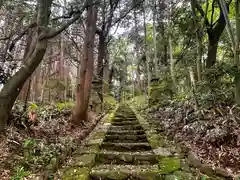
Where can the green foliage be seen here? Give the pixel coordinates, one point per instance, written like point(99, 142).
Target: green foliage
point(109, 102)
point(139, 102)
point(20, 173)
point(65, 105)
point(29, 143)
point(33, 107)
point(39, 155)
point(163, 89)
point(218, 88)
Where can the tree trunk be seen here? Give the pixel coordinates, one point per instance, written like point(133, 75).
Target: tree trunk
point(106, 74)
point(171, 62)
point(12, 87)
point(212, 51)
point(147, 62)
point(101, 56)
point(86, 69)
point(155, 41)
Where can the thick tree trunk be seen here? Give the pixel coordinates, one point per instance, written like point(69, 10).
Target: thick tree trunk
point(86, 69)
point(12, 88)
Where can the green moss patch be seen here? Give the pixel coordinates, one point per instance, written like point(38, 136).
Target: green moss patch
point(76, 174)
point(104, 174)
point(169, 164)
point(98, 135)
point(181, 175)
point(86, 160)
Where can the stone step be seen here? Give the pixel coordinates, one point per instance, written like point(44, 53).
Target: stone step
point(125, 138)
point(123, 147)
point(125, 116)
point(122, 123)
point(126, 127)
point(122, 138)
point(129, 132)
point(124, 119)
point(133, 158)
point(124, 172)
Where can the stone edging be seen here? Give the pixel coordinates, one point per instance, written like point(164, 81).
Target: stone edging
point(84, 158)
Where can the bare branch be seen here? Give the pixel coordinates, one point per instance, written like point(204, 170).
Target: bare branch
point(15, 40)
point(54, 32)
point(129, 10)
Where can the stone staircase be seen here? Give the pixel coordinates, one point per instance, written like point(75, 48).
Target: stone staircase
point(125, 152)
point(126, 146)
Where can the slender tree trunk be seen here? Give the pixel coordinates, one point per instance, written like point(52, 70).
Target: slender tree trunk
point(106, 74)
point(138, 84)
point(147, 66)
point(27, 94)
point(155, 40)
point(193, 84)
point(199, 41)
point(101, 56)
point(86, 69)
point(171, 62)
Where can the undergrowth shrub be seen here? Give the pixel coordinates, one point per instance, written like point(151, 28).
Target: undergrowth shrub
point(109, 102)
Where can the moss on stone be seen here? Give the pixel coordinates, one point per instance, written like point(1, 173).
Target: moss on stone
point(181, 175)
point(76, 173)
point(104, 174)
point(169, 164)
point(91, 149)
point(99, 135)
point(95, 141)
point(147, 175)
point(86, 160)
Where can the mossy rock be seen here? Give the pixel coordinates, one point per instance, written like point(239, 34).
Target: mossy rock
point(95, 141)
point(86, 160)
point(76, 173)
point(169, 164)
point(171, 177)
point(205, 177)
point(87, 149)
point(99, 135)
point(181, 175)
point(150, 175)
point(105, 174)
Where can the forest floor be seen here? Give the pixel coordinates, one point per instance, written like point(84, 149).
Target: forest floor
point(42, 147)
point(212, 134)
point(128, 146)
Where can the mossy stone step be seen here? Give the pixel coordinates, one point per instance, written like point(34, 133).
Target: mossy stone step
point(133, 158)
point(122, 123)
point(124, 119)
point(118, 116)
point(125, 137)
point(126, 127)
point(129, 132)
point(124, 172)
point(123, 147)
